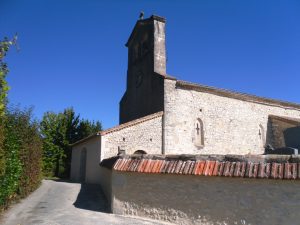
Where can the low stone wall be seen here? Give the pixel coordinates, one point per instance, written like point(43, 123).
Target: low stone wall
point(184, 198)
point(187, 199)
point(105, 182)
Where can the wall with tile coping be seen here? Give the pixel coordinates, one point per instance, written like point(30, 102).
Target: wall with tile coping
point(187, 199)
point(231, 126)
point(146, 135)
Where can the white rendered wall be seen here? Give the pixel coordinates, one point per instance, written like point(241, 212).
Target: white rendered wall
point(93, 170)
point(230, 126)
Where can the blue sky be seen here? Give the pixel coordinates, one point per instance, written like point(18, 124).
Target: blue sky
point(73, 53)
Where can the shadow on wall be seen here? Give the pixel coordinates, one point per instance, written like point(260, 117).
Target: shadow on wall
point(292, 137)
point(282, 132)
point(269, 133)
point(91, 197)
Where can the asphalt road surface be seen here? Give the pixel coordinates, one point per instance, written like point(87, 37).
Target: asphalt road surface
point(64, 203)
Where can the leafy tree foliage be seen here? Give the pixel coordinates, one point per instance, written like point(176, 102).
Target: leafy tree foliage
point(23, 155)
point(20, 142)
point(27, 146)
point(59, 131)
point(87, 128)
point(4, 47)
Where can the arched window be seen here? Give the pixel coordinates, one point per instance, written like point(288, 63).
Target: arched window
point(140, 152)
point(199, 133)
point(262, 136)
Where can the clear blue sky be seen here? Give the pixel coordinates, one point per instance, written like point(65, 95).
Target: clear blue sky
point(73, 53)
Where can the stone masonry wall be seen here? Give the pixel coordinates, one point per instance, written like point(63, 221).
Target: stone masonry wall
point(146, 136)
point(230, 126)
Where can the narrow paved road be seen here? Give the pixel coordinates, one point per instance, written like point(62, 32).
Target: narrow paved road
point(63, 203)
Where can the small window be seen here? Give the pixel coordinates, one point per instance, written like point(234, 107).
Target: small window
point(262, 136)
point(199, 133)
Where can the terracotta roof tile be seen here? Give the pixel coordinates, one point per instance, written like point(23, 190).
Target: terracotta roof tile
point(139, 162)
point(154, 166)
point(162, 166)
point(126, 164)
point(178, 166)
point(171, 164)
point(130, 165)
point(202, 166)
point(277, 171)
point(216, 168)
point(174, 166)
point(117, 164)
point(254, 170)
point(191, 169)
point(240, 169)
point(186, 167)
point(135, 164)
point(231, 170)
point(264, 170)
point(290, 170)
point(140, 166)
point(159, 166)
point(143, 168)
point(226, 171)
point(165, 168)
point(182, 167)
point(149, 166)
point(280, 171)
point(261, 170)
point(209, 168)
point(122, 164)
point(221, 168)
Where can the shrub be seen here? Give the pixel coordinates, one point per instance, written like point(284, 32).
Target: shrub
point(23, 155)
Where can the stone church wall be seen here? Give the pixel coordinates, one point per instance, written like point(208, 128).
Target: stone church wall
point(229, 125)
point(142, 134)
point(188, 199)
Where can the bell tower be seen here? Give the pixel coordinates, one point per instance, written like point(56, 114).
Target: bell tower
point(148, 37)
point(146, 69)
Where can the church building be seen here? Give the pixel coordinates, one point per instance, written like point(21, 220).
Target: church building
point(160, 114)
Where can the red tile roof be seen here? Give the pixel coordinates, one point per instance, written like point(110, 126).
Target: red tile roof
point(272, 170)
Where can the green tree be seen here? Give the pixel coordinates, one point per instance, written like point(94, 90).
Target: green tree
point(20, 142)
point(87, 128)
point(52, 151)
point(4, 47)
point(59, 131)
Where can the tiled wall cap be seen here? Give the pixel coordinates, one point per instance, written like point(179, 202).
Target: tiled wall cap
point(262, 170)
